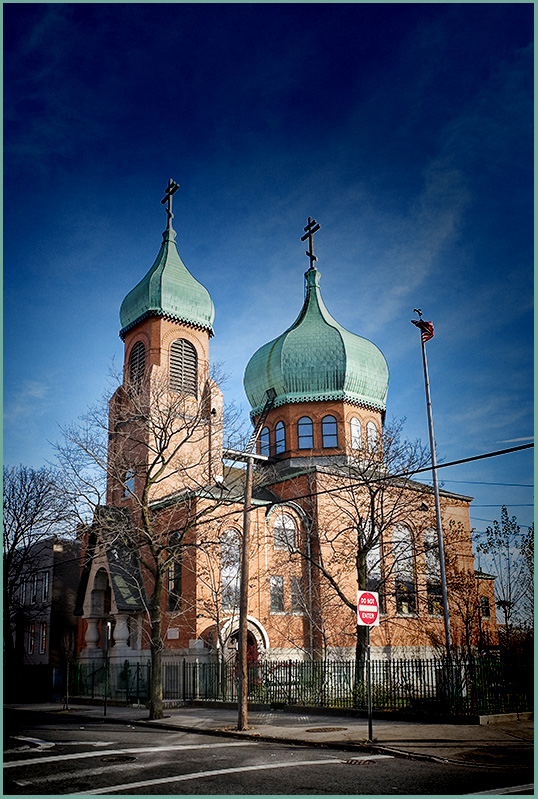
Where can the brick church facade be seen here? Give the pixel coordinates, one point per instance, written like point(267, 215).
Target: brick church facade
point(318, 397)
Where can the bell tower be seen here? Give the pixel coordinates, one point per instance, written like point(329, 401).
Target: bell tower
point(165, 419)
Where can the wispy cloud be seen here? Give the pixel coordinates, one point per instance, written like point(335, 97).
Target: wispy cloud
point(516, 440)
point(27, 400)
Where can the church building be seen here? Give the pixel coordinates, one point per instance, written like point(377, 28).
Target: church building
point(334, 507)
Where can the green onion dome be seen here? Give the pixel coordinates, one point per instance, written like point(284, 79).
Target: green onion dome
point(317, 360)
point(168, 290)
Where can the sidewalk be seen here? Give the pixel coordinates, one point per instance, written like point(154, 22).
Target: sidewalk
point(498, 741)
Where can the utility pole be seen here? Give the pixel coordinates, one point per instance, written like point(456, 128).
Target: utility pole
point(426, 329)
point(242, 698)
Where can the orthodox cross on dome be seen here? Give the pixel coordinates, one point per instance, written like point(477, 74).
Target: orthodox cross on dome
point(171, 189)
point(310, 229)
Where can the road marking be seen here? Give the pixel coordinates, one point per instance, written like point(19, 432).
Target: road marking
point(140, 750)
point(503, 791)
point(83, 773)
point(41, 745)
point(110, 789)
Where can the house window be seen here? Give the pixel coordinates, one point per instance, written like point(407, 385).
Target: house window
point(433, 573)
point(43, 638)
point(297, 598)
point(137, 365)
point(305, 433)
point(45, 586)
point(183, 367)
point(485, 610)
point(371, 437)
point(280, 438)
point(329, 431)
point(284, 532)
point(356, 433)
point(30, 644)
point(277, 594)
point(129, 483)
point(404, 571)
point(265, 441)
point(230, 554)
point(33, 589)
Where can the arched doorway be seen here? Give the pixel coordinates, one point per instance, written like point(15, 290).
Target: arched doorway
point(253, 652)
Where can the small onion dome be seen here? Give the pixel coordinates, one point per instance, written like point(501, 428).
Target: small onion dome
point(168, 290)
point(317, 360)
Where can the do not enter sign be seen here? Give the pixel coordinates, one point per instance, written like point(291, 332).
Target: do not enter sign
point(367, 608)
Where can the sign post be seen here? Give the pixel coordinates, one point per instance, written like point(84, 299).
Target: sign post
point(368, 616)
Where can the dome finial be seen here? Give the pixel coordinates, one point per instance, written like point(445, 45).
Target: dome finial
point(169, 234)
point(310, 229)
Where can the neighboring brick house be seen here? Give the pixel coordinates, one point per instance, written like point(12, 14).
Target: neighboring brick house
point(318, 394)
point(43, 614)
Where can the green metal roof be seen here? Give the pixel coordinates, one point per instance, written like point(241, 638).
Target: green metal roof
point(168, 290)
point(317, 359)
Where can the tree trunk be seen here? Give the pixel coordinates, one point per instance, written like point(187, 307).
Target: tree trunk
point(156, 671)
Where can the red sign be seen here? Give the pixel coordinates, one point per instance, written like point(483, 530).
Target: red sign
point(367, 608)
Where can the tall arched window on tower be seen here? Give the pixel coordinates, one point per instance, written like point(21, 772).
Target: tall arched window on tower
point(183, 367)
point(265, 446)
point(305, 433)
point(404, 570)
point(284, 532)
point(372, 437)
point(356, 433)
point(137, 365)
point(280, 438)
point(329, 431)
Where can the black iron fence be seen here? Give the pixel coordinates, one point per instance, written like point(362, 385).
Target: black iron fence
point(479, 685)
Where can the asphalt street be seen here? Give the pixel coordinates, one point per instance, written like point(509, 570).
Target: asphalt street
point(50, 754)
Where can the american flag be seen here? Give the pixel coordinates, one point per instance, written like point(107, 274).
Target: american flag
point(426, 327)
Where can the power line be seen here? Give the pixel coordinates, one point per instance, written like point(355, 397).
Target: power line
point(473, 458)
point(417, 471)
point(487, 483)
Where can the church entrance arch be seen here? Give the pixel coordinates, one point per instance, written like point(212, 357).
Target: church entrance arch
point(257, 639)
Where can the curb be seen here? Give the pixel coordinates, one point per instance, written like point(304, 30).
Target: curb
point(345, 745)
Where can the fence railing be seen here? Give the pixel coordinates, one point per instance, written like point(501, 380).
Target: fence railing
point(461, 686)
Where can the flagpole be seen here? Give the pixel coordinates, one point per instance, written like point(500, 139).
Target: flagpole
point(446, 614)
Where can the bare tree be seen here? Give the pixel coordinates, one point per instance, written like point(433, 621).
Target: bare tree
point(366, 500)
point(509, 555)
point(34, 511)
point(159, 451)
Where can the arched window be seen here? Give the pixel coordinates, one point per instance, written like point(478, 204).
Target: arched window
point(356, 433)
point(183, 367)
point(229, 568)
point(433, 572)
point(280, 438)
point(305, 433)
point(404, 570)
point(284, 532)
point(371, 437)
point(174, 583)
point(265, 448)
point(137, 365)
point(374, 566)
point(329, 431)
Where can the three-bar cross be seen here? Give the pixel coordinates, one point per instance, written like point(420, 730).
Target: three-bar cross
point(171, 189)
point(310, 229)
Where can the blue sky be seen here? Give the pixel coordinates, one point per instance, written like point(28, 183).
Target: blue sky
point(405, 130)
